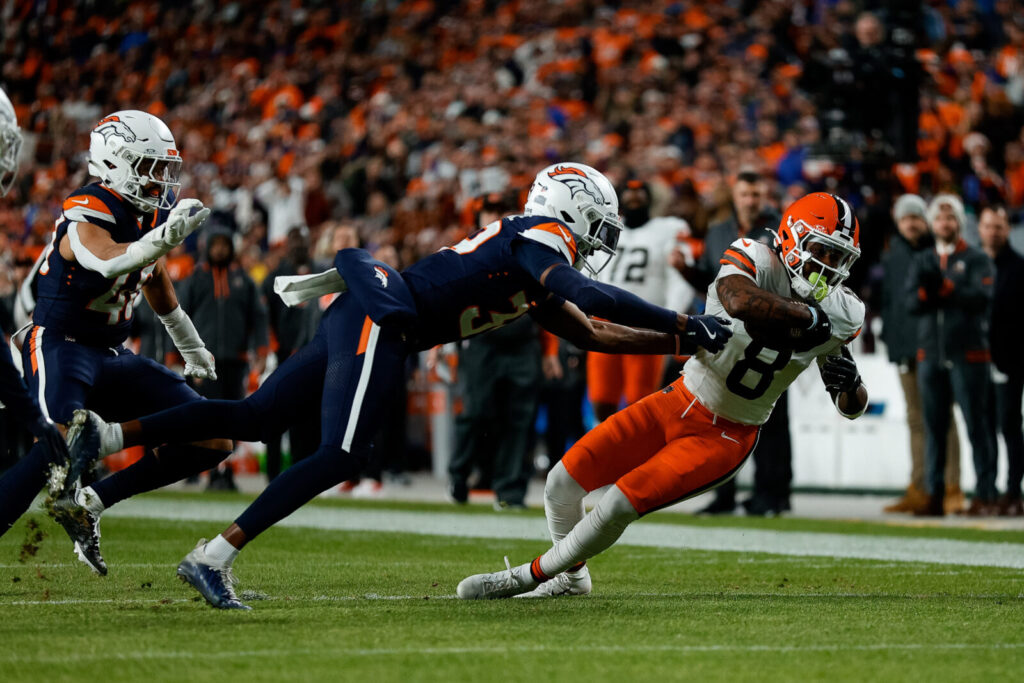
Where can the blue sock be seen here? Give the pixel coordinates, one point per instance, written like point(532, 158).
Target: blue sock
point(172, 463)
point(296, 486)
point(21, 483)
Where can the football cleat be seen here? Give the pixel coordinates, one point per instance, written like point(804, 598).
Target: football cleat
point(566, 583)
point(504, 584)
point(83, 526)
point(84, 437)
point(215, 584)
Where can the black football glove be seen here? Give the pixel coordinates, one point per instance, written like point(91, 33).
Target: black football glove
point(47, 433)
point(708, 331)
point(840, 373)
point(817, 334)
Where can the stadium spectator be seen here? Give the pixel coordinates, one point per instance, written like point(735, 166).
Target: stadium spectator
point(1005, 336)
point(899, 332)
point(227, 309)
point(950, 288)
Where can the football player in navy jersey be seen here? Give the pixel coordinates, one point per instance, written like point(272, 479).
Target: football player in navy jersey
point(107, 246)
point(20, 484)
point(517, 265)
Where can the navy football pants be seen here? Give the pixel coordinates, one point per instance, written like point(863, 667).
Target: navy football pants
point(346, 372)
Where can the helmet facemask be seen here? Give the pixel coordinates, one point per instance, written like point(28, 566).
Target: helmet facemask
point(10, 148)
point(151, 181)
point(817, 262)
point(596, 245)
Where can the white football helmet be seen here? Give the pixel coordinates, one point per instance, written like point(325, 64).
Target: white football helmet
point(10, 144)
point(134, 154)
point(585, 201)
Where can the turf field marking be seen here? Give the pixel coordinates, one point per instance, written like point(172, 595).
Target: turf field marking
point(499, 650)
point(650, 534)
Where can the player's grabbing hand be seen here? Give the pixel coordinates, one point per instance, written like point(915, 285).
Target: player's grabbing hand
point(708, 331)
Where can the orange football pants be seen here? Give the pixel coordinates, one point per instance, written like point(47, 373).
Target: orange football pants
point(609, 376)
point(661, 450)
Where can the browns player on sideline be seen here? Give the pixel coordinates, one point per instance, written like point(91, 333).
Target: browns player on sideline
point(108, 245)
point(514, 266)
point(22, 482)
point(641, 266)
point(788, 309)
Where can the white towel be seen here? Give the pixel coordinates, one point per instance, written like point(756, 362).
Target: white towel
point(298, 289)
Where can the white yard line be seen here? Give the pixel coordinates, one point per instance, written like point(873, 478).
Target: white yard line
point(650, 534)
point(506, 649)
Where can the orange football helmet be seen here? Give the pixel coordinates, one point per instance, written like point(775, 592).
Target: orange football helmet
point(818, 240)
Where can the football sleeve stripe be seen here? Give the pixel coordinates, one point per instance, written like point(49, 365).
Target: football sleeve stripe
point(742, 258)
point(553, 239)
point(731, 260)
point(87, 209)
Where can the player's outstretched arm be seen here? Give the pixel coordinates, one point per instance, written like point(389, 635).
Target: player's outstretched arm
point(843, 382)
point(567, 321)
point(92, 246)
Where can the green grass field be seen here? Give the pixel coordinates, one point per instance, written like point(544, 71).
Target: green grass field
point(379, 606)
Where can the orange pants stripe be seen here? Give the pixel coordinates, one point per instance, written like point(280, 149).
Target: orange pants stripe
point(612, 376)
point(663, 449)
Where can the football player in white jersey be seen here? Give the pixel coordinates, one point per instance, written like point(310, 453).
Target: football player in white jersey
point(641, 266)
point(788, 309)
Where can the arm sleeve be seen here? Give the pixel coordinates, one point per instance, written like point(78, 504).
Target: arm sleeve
point(13, 392)
point(609, 302)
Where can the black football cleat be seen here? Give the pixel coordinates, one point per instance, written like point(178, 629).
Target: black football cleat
point(83, 527)
point(83, 437)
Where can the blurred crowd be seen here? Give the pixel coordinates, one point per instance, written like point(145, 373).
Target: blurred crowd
point(307, 126)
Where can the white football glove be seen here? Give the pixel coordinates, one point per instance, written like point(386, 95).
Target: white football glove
point(180, 223)
point(199, 362)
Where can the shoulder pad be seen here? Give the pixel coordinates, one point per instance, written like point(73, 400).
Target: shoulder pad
point(83, 207)
point(555, 235)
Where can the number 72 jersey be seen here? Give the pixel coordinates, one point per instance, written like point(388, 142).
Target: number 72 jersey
point(743, 381)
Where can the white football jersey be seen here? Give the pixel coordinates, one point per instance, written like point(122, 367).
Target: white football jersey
point(641, 267)
point(742, 381)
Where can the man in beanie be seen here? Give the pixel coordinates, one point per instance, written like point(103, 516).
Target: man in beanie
point(899, 332)
point(950, 287)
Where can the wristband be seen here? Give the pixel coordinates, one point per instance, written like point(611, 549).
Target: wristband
point(814, 317)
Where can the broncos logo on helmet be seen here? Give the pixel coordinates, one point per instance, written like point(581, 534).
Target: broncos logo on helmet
point(113, 125)
point(577, 181)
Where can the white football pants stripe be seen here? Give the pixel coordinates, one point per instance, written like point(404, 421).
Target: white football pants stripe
point(364, 381)
point(37, 343)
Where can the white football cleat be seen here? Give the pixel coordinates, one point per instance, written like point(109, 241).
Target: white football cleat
point(566, 583)
point(503, 584)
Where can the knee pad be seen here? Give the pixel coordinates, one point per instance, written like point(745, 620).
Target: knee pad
point(615, 510)
point(560, 485)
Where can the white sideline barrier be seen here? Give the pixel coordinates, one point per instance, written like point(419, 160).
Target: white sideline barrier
point(871, 452)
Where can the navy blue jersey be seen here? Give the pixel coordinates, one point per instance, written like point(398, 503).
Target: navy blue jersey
point(479, 284)
point(81, 303)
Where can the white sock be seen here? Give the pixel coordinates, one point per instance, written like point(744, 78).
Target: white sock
point(220, 552)
point(88, 499)
point(594, 534)
point(113, 440)
point(563, 502)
